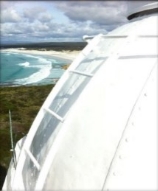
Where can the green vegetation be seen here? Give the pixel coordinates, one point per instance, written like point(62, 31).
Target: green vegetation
point(24, 103)
point(57, 46)
point(65, 67)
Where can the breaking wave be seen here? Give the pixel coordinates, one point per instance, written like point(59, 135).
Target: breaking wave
point(44, 67)
point(23, 69)
point(25, 64)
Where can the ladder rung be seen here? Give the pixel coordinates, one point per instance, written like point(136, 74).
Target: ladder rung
point(81, 73)
point(33, 159)
point(54, 114)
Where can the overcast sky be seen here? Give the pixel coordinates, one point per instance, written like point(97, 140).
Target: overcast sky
point(38, 21)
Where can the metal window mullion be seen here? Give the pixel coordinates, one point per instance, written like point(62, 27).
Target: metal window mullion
point(35, 162)
point(81, 73)
point(54, 114)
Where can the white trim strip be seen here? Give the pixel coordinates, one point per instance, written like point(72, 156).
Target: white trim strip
point(148, 36)
point(138, 56)
point(81, 73)
point(33, 159)
point(54, 114)
point(121, 36)
point(125, 36)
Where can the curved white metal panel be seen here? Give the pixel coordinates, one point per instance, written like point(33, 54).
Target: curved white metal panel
point(81, 132)
point(97, 121)
point(135, 161)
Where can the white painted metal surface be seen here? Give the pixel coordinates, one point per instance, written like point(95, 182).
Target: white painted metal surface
point(97, 130)
point(138, 6)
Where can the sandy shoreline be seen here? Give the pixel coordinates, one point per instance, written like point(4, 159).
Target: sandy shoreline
point(70, 55)
point(35, 78)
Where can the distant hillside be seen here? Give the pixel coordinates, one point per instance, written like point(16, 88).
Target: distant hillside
point(58, 46)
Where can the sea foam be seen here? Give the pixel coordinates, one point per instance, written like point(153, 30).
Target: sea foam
point(23, 69)
point(44, 67)
point(25, 64)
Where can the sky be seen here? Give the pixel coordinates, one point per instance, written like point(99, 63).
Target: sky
point(59, 21)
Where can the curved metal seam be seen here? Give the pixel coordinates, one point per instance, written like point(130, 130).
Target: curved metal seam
point(119, 143)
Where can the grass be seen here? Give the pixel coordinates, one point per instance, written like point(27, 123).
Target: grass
point(24, 103)
point(65, 67)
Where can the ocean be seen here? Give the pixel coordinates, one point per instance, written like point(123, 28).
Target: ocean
point(26, 69)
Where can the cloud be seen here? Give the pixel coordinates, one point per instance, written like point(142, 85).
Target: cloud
point(45, 17)
point(41, 21)
point(33, 13)
point(96, 11)
point(10, 15)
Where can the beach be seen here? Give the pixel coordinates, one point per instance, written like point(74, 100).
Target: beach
point(70, 55)
point(22, 66)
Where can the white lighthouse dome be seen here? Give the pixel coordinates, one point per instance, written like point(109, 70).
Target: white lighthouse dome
point(97, 129)
point(139, 8)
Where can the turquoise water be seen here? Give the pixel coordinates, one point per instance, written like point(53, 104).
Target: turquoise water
point(27, 69)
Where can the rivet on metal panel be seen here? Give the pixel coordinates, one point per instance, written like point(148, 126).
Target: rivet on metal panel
point(126, 140)
point(120, 157)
